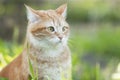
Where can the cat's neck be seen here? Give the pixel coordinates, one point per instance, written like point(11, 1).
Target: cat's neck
point(42, 52)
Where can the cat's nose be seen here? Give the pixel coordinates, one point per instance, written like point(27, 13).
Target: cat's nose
point(60, 37)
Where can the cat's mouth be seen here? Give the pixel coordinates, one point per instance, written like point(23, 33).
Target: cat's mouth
point(60, 41)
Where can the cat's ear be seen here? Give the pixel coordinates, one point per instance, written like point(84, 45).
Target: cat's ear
point(31, 14)
point(62, 10)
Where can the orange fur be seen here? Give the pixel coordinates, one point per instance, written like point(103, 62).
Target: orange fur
point(16, 70)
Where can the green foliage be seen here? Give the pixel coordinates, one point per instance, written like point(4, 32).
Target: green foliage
point(8, 52)
point(91, 73)
point(91, 10)
point(3, 78)
point(31, 71)
point(104, 42)
point(33, 75)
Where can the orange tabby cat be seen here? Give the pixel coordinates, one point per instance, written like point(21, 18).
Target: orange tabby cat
point(47, 50)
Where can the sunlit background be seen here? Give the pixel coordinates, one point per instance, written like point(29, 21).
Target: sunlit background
point(94, 39)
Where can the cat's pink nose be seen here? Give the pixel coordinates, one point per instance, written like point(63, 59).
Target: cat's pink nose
point(60, 37)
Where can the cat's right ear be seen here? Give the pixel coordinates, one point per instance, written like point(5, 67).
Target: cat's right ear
point(31, 14)
point(62, 10)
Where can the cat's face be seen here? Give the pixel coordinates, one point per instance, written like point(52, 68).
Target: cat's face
point(48, 28)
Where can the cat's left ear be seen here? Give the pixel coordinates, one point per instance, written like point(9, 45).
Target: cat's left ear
point(62, 10)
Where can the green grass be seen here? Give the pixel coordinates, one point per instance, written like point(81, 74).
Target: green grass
point(8, 52)
point(103, 42)
point(3, 78)
point(33, 73)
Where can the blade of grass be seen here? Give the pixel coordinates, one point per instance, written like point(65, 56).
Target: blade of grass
point(31, 70)
point(33, 75)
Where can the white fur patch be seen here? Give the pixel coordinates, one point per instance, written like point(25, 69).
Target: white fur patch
point(51, 49)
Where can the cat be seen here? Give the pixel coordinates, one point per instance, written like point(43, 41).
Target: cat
point(46, 47)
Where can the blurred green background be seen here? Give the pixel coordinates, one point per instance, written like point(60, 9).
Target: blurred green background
point(94, 39)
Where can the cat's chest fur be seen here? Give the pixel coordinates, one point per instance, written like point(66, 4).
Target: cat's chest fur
point(50, 63)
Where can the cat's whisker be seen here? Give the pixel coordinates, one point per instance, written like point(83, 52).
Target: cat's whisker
point(70, 40)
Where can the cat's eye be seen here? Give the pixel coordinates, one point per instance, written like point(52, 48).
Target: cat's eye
point(64, 28)
point(51, 29)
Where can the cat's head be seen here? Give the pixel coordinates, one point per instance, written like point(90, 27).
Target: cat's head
point(47, 28)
